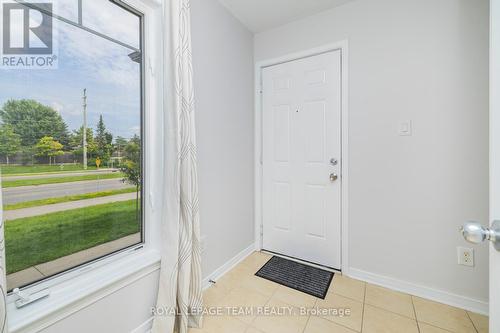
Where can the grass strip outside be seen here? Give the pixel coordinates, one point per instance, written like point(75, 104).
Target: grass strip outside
point(19, 170)
point(65, 179)
point(39, 239)
point(76, 197)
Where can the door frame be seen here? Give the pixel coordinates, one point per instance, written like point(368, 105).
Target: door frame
point(341, 46)
point(494, 105)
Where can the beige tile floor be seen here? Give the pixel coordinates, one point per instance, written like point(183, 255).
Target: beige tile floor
point(359, 306)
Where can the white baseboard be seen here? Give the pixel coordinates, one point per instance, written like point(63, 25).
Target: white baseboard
point(228, 265)
point(440, 296)
point(144, 327)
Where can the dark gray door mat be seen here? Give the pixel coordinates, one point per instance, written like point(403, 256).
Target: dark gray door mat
point(307, 279)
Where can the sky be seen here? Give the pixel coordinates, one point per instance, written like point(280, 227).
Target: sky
point(86, 61)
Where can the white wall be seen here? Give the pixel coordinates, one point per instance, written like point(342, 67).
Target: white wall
point(121, 312)
point(223, 82)
point(424, 61)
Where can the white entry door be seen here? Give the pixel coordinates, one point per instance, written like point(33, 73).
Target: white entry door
point(302, 158)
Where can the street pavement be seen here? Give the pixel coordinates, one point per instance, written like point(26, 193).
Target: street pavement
point(59, 174)
point(19, 194)
point(12, 195)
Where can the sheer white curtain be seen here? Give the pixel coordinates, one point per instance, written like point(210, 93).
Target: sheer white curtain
point(180, 276)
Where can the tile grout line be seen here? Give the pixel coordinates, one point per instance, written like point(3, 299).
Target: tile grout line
point(442, 329)
point(307, 322)
point(309, 318)
point(396, 313)
point(330, 320)
point(415, 313)
point(434, 325)
point(473, 325)
point(265, 304)
point(363, 308)
point(240, 286)
point(349, 298)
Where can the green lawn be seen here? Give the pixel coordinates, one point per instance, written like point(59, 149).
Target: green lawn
point(35, 240)
point(66, 179)
point(51, 201)
point(40, 168)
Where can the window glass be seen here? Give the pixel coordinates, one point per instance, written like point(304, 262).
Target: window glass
point(67, 9)
point(107, 18)
point(71, 148)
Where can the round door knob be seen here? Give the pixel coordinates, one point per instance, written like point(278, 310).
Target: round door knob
point(474, 232)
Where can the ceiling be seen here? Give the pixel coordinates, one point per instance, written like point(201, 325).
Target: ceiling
point(260, 15)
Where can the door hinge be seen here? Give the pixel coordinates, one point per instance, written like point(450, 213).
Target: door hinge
point(261, 230)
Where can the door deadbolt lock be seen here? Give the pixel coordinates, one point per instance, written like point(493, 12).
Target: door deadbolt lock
point(333, 161)
point(333, 177)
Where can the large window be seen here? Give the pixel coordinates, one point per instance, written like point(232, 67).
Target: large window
point(70, 134)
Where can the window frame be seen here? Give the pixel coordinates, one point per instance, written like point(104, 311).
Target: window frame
point(134, 247)
point(132, 262)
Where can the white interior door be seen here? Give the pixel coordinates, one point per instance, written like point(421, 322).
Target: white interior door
point(495, 161)
point(301, 159)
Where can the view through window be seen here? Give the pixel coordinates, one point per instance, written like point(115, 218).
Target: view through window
point(70, 134)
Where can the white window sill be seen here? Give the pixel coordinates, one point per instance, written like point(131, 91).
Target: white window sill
point(90, 284)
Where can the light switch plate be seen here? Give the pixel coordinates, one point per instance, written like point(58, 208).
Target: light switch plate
point(405, 128)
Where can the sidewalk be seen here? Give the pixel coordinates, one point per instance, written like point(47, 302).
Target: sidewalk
point(42, 210)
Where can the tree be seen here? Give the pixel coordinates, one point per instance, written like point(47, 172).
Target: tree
point(103, 140)
point(48, 147)
point(10, 142)
point(76, 142)
point(76, 139)
point(32, 121)
point(131, 167)
point(120, 143)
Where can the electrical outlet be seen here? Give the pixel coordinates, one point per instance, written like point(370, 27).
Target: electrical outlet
point(465, 256)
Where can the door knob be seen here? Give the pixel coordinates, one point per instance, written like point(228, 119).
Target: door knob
point(333, 177)
point(474, 232)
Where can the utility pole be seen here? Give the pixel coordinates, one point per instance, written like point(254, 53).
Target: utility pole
point(85, 129)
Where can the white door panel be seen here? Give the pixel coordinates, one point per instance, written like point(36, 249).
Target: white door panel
point(301, 133)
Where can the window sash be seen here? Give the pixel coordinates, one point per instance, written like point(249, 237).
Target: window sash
point(141, 57)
